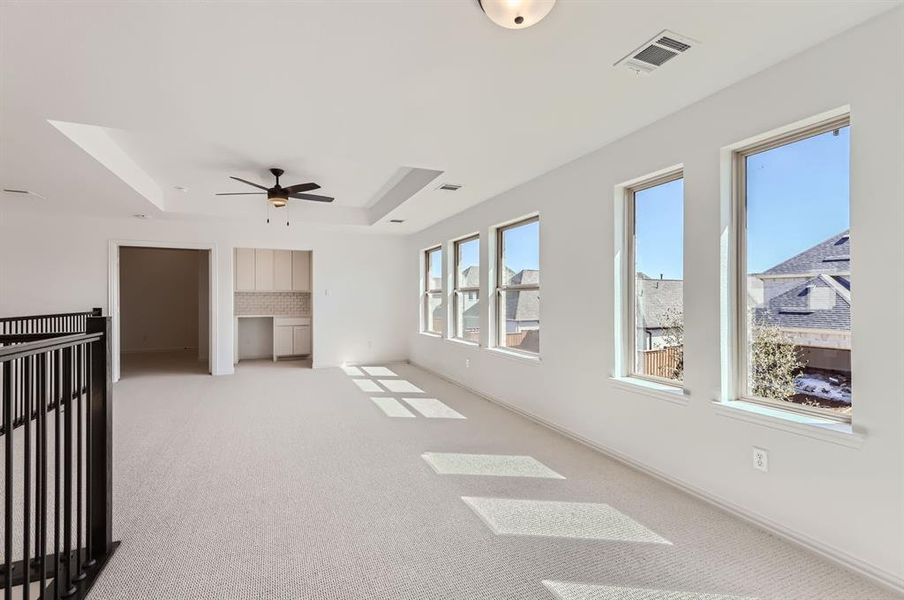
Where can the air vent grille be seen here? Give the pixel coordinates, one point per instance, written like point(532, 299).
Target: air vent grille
point(673, 44)
point(659, 50)
point(450, 187)
point(396, 220)
point(655, 55)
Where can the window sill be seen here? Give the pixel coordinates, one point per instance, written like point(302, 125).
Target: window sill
point(467, 343)
point(660, 391)
point(785, 420)
point(531, 359)
point(430, 334)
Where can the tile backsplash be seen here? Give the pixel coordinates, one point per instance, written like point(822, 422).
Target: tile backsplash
point(285, 304)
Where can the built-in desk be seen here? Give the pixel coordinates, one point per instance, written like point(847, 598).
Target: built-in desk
point(271, 336)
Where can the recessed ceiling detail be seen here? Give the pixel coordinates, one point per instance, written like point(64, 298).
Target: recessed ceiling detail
point(98, 142)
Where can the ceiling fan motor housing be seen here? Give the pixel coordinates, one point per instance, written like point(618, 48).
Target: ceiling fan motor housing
point(278, 197)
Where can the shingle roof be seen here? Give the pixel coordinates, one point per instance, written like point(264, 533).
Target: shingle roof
point(658, 301)
point(831, 256)
point(800, 307)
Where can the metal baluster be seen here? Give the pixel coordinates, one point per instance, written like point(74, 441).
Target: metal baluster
point(8, 475)
point(27, 365)
point(66, 583)
point(80, 363)
point(57, 394)
point(42, 471)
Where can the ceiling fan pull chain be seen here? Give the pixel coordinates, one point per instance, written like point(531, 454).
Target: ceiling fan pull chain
point(268, 212)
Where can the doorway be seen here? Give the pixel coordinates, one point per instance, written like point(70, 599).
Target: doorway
point(163, 309)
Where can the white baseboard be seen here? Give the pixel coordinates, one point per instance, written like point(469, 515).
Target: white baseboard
point(840, 557)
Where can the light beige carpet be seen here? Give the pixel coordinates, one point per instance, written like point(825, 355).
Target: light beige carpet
point(282, 482)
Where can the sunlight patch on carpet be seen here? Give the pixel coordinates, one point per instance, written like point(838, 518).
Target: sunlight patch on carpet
point(499, 465)
point(583, 591)
point(366, 385)
point(579, 520)
point(433, 408)
point(379, 372)
point(400, 385)
point(353, 371)
point(393, 408)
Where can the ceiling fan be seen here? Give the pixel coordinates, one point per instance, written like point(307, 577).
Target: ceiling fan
point(277, 195)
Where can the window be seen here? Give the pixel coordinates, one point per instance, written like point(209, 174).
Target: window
point(467, 289)
point(794, 288)
point(518, 286)
point(655, 299)
point(434, 307)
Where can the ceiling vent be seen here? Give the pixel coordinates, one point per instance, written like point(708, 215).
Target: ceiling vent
point(659, 50)
point(450, 187)
point(396, 220)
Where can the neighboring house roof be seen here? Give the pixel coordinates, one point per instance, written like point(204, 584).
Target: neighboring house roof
point(523, 305)
point(659, 301)
point(470, 277)
point(821, 302)
point(831, 256)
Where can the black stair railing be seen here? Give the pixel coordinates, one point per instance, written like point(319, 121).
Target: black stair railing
point(55, 323)
point(57, 459)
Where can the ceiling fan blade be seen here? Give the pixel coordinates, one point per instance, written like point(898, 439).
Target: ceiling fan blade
point(302, 187)
point(313, 197)
point(243, 194)
point(260, 187)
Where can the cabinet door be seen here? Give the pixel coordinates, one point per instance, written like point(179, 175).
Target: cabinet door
point(282, 340)
point(282, 270)
point(301, 339)
point(263, 270)
point(244, 270)
point(301, 271)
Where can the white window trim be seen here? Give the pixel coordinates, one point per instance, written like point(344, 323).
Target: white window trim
point(735, 335)
point(500, 289)
point(457, 290)
point(625, 304)
point(427, 291)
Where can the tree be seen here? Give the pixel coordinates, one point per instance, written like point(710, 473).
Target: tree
point(774, 362)
point(674, 340)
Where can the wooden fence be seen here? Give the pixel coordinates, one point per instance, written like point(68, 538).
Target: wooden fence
point(662, 362)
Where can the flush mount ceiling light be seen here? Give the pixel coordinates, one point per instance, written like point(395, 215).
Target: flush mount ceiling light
point(516, 14)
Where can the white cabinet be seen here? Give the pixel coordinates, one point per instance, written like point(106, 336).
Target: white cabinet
point(263, 270)
point(282, 341)
point(301, 271)
point(301, 339)
point(282, 270)
point(244, 270)
point(291, 336)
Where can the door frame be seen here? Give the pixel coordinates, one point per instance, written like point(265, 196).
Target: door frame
point(213, 299)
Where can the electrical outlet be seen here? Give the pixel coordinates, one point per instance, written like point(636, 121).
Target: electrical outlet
point(467, 363)
point(760, 459)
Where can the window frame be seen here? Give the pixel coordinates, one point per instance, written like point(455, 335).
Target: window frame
point(630, 304)
point(739, 224)
point(427, 291)
point(501, 288)
point(458, 290)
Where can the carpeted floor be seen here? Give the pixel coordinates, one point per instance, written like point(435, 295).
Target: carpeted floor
point(284, 482)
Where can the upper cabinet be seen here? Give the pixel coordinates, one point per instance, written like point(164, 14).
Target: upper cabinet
point(244, 270)
point(301, 271)
point(262, 270)
point(282, 270)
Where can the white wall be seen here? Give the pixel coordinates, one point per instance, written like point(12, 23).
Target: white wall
point(58, 264)
point(158, 299)
point(846, 501)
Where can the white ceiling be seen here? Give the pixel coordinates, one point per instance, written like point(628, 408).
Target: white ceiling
point(348, 93)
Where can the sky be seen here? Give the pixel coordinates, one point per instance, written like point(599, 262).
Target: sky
point(521, 246)
point(797, 196)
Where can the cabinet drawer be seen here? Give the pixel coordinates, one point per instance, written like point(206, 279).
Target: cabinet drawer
point(286, 321)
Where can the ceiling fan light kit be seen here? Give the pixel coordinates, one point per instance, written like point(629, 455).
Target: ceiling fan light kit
point(516, 14)
point(278, 196)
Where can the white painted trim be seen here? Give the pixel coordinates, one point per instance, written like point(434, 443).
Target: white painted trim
point(818, 428)
point(841, 558)
point(213, 293)
point(652, 389)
